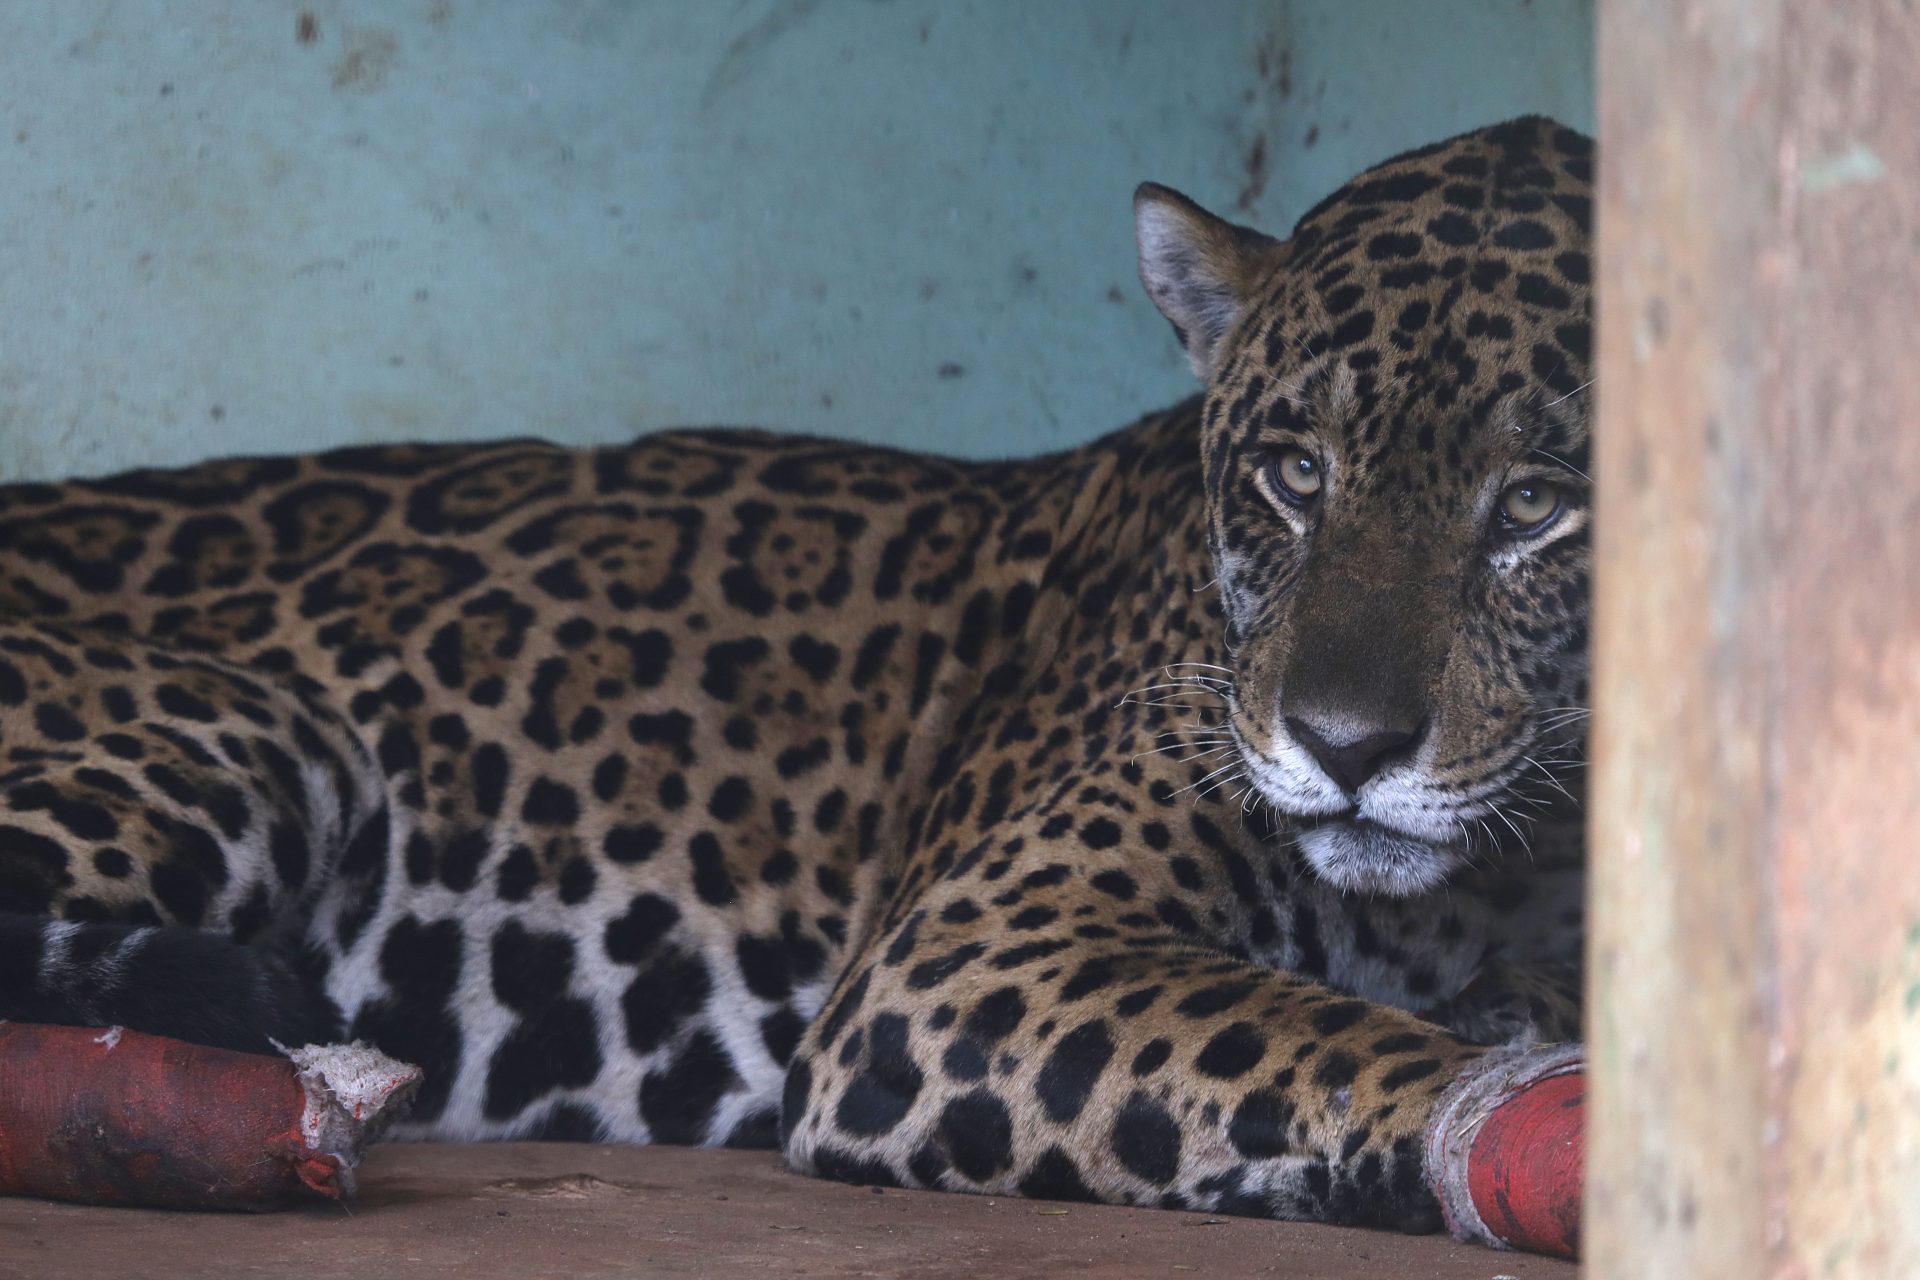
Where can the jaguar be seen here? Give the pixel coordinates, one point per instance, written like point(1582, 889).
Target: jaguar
point(1172, 820)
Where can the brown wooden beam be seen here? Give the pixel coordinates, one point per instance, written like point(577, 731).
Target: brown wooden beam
point(1755, 1104)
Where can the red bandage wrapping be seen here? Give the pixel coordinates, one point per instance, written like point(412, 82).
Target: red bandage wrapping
point(1524, 1167)
point(1504, 1150)
point(116, 1117)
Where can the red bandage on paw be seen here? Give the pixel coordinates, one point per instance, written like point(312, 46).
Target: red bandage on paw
point(1504, 1150)
point(116, 1117)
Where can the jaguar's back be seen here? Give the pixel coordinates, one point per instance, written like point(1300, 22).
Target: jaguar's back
point(600, 757)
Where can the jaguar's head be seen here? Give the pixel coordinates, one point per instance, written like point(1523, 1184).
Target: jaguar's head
point(1395, 436)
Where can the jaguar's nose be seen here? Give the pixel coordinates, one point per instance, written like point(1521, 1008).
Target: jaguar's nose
point(1348, 756)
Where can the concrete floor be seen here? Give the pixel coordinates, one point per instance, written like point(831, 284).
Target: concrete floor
point(527, 1210)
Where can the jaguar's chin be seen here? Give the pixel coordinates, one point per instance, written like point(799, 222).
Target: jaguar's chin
point(1362, 856)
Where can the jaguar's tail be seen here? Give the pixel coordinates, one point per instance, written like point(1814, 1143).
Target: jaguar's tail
point(165, 981)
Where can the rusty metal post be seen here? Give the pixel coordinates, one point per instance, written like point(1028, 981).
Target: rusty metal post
point(1755, 1105)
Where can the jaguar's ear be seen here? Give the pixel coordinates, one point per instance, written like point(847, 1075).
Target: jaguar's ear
point(1199, 270)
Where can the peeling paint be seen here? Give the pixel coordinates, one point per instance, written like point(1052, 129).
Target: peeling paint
point(1856, 164)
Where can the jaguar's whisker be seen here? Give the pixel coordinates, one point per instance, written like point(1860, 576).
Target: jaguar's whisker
point(1175, 746)
point(1229, 778)
point(1204, 777)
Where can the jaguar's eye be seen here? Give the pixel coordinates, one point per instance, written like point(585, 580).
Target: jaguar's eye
point(1296, 476)
point(1530, 506)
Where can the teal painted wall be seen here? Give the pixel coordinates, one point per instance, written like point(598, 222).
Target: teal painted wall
point(231, 229)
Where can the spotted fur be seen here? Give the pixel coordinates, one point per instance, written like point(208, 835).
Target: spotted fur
point(1101, 826)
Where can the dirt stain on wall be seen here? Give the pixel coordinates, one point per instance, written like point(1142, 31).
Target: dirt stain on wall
point(366, 56)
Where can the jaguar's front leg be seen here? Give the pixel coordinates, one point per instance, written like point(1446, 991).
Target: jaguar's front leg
point(1156, 1073)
